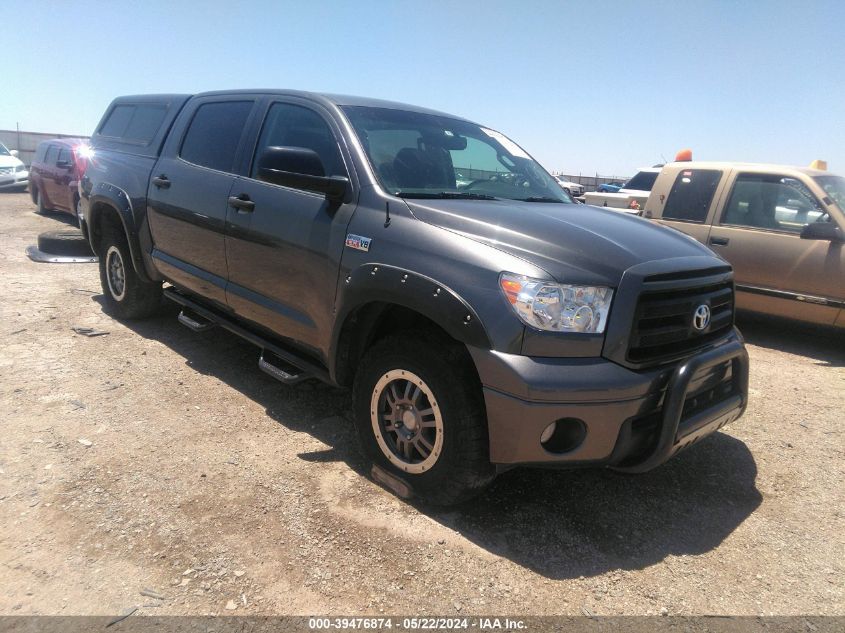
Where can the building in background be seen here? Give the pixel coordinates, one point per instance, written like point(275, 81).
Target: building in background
point(26, 142)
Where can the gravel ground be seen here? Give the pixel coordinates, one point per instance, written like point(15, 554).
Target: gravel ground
point(157, 461)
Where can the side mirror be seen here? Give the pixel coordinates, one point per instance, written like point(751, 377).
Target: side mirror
point(13, 152)
point(63, 164)
point(822, 231)
point(300, 168)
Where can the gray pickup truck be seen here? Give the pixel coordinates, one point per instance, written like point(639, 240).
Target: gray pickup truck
point(481, 318)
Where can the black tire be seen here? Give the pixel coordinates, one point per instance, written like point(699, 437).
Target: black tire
point(462, 465)
point(39, 201)
point(133, 298)
point(68, 243)
point(77, 208)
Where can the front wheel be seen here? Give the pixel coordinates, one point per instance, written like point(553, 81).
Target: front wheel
point(420, 415)
point(127, 295)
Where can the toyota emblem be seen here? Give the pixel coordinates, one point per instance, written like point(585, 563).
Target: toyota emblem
point(701, 317)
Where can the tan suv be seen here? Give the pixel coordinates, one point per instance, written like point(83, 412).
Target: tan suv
point(782, 228)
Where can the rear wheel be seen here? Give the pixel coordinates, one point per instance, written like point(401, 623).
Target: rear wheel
point(40, 202)
point(127, 295)
point(420, 416)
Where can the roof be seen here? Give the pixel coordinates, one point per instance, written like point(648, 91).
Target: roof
point(337, 100)
point(754, 167)
point(66, 140)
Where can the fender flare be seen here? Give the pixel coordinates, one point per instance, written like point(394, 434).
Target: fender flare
point(108, 195)
point(376, 283)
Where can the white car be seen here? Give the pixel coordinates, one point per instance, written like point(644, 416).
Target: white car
point(13, 173)
point(631, 197)
point(572, 188)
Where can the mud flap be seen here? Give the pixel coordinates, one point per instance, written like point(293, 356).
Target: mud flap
point(394, 484)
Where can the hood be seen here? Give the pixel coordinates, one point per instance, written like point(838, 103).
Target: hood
point(9, 161)
point(574, 243)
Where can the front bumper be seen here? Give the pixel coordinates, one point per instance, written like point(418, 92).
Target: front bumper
point(632, 420)
point(14, 180)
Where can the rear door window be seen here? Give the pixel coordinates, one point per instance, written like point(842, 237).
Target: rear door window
point(214, 134)
point(41, 152)
point(51, 156)
point(64, 155)
point(691, 195)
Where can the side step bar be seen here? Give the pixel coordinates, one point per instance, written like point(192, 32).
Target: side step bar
point(194, 322)
point(284, 372)
point(282, 363)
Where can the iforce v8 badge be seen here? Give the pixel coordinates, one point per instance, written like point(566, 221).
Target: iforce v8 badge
point(358, 242)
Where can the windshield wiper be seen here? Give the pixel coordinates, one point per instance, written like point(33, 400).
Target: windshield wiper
point(445, 195)
point(540, 199)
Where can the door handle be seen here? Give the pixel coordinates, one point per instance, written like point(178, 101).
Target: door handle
point(719, 241)
point(162, 182)
point(242, 203)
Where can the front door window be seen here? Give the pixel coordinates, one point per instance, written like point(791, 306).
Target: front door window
point(772, 202)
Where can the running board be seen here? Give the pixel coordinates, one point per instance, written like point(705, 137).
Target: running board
point(284, 372)
point(194, 322)
point(277, 360)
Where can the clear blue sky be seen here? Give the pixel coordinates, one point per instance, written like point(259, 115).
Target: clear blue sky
point(584, 86)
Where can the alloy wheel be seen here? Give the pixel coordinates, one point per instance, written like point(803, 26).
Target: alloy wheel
point(407, 421)
point(115, 273)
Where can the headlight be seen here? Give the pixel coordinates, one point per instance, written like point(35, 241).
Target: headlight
point(20, 168)
point(554, 307)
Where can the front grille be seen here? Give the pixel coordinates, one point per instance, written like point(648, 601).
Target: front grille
point(663, 322)
point(7, 171)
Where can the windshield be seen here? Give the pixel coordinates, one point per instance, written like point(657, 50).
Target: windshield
point(417, 155)
point(4, 150)
point(643, 181)
point(834, 186)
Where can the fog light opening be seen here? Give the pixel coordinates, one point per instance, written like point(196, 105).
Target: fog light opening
point(563, 435)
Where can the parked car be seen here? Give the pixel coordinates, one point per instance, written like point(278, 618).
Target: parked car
point(14, 176)
point(474, 325)
point(572, 188)
point(55, 173)
point(782, 229)
point(631, 196)
point(610, 187)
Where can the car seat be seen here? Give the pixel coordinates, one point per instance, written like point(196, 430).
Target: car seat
point(429, 168)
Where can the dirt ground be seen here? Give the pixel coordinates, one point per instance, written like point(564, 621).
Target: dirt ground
point(159, 460)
